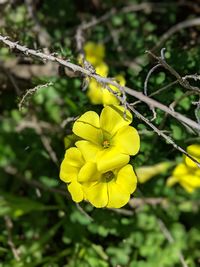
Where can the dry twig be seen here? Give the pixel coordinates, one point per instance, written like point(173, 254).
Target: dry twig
point(100, 79)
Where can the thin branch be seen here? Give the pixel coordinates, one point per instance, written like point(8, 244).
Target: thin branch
point(157, 92)
point(99, 79)
point(106, 82)
point(148, 77)
point(160, 133)
point(182, 82)
point(30, 92)
point(174, 29)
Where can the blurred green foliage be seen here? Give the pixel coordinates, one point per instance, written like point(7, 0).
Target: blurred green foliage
point(49, 230)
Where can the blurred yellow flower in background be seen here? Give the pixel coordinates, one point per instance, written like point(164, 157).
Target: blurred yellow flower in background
point(100, 95)
point(145, 173)
point(194, 151)
point(188, 178)
point(187, 173)
point(94, 53)
point(97, 93)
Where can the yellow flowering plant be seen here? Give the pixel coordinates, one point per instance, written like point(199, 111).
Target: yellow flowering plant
point(109, 135)
point(95, 53)
point(100, 95)
point(187, 173)
point(97, 169)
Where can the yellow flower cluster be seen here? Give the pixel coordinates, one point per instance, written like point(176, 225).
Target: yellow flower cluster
point(187, 173)
point(95, 53)
point(97, 168)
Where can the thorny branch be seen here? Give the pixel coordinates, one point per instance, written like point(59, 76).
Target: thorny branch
point(108, 81)
point(182, 82)
point(99, 79)
point(30, 92)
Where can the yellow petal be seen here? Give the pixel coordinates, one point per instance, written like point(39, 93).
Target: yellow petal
point(127, 179)
point(171, 181)
point(88, 150)
point(73, 157)
point(189, 182)
point(110, 159)
point(190, 163)
point(97, 195)
point(87, 127)
point(76, 191)
point(95, 93)
point(187, 187)
point(112, 119)
point(88, 173)
point(68, 173)
point(117, 197)
point(120, 79)
point(194, 151)
point(94, 52)
point(127, 140)
point(109, 98)
point(180, 170)
point(191, 179)
point(102, 69)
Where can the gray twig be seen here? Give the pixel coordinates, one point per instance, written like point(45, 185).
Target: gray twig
point(161, 133)
point(100, 79)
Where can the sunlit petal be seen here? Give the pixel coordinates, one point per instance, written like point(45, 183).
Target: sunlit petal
point(76, 191)
point(127, 179)
point(117, 197)
point(68, 173)
point(127, 140)
point(87, 127)
point(88, 173)
point(112, 119)
point(110, 158)
point(74, 157)
point(97, 195)
point(88, 150)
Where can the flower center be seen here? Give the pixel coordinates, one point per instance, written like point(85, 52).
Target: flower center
point(108, 176)
point(106, 144)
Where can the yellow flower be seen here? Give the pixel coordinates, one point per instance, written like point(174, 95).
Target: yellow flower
point(109, 137)
point(100, 95)
point(188, 178)
point(147, 172)
point(69, 170)
point(193, 150)
point(111, 189)
point(94, 53)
